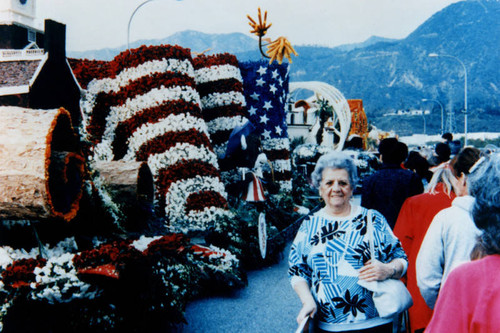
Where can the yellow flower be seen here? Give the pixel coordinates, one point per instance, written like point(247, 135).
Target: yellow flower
point(280, 48)
point(259, 29)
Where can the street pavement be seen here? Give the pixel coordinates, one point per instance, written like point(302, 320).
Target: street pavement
point(267, 304)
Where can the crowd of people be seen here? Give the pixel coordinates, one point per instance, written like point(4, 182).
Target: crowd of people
point(433, 222)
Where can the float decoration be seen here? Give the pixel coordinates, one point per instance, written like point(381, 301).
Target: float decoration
point(41, 172)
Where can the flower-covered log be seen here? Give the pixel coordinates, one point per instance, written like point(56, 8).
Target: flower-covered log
point(41, 172)
point(127, 182)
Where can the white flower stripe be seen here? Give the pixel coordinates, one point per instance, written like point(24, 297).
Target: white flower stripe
point(179, 191)
point(181, 151)
point(217, 72)
point(200, 220)
point(285, 185)
point(108, 85)
point(221, 99)
point(276, 144)
point(225, 123)
point(172, 123)
point(281, 165)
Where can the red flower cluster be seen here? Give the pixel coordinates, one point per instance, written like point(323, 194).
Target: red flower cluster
point(198, 201)
point(166, 141)
point(170, 244)
point(113, 253)
point(20, 272)
point(214, 60)
point(86, 70)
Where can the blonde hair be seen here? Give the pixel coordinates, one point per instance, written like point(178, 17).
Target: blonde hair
point(445, 176)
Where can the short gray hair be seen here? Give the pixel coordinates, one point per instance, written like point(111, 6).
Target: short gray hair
point(484, 185)
point(335, 160)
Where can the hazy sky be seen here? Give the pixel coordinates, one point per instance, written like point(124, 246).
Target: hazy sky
point(96, 24)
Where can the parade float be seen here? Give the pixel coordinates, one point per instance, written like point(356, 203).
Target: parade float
point(114, 223)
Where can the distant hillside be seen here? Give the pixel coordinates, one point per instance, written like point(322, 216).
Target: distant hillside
point(394, 74)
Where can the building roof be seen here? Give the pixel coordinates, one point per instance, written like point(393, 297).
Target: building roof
point(17, 72)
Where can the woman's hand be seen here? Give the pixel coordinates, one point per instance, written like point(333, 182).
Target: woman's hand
point(308, 309)
point(377, 271)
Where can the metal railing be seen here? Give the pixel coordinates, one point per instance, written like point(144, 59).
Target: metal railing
point(21, 54)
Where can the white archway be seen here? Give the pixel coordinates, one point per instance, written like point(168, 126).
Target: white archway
point(341, 111)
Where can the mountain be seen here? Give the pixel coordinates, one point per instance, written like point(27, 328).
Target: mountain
point(390, 74)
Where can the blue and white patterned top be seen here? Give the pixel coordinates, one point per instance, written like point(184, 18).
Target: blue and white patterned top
point(327, 253)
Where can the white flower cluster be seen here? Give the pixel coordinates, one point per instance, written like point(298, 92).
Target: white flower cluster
point(217, 99)
point(172, 123)
point(221, 260)
point(281, 165)
point(276, 144)
point(218, 72)
point(57, 281)
point(154, 97)
point(143, 242)
point(181, 151)
point(178, 194)
point(285, 185)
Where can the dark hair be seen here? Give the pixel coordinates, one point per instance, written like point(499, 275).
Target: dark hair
point(485, 188)
point(443, 152)
point(393, 151)
point(447, 136)
point(418, 164)
point(462, 162)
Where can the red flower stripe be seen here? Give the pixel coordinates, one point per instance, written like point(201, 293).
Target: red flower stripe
point(111, 253)
point(150, 115)
point(198, 201)
point(274, 155)
point(168, 140)
point(220, 137)
point(215, 60)
point(219, 86)
point(224, 111)
point(137, 87)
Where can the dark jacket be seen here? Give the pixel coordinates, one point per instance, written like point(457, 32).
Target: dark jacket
point(387, 189)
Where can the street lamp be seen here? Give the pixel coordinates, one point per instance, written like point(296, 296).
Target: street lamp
point(130, 20)
point(433, 55)
point(442, 111)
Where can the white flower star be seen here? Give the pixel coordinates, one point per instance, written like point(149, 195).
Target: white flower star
point(255, 96)
point(278, 130)
point(273, 88)
point(267, 105)
point(275, 74)
point(266, 134)
point(260, 82)
point(252, 111)
point(264, 119)
point(262, 70)
point(280, 81)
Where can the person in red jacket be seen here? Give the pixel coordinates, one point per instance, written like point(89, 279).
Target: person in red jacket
point(469, 300)
point(413, 220)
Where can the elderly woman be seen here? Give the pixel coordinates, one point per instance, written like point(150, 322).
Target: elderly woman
point(470, 298)
point(331, 253)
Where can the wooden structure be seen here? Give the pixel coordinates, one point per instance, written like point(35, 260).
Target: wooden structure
point(41, 170)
